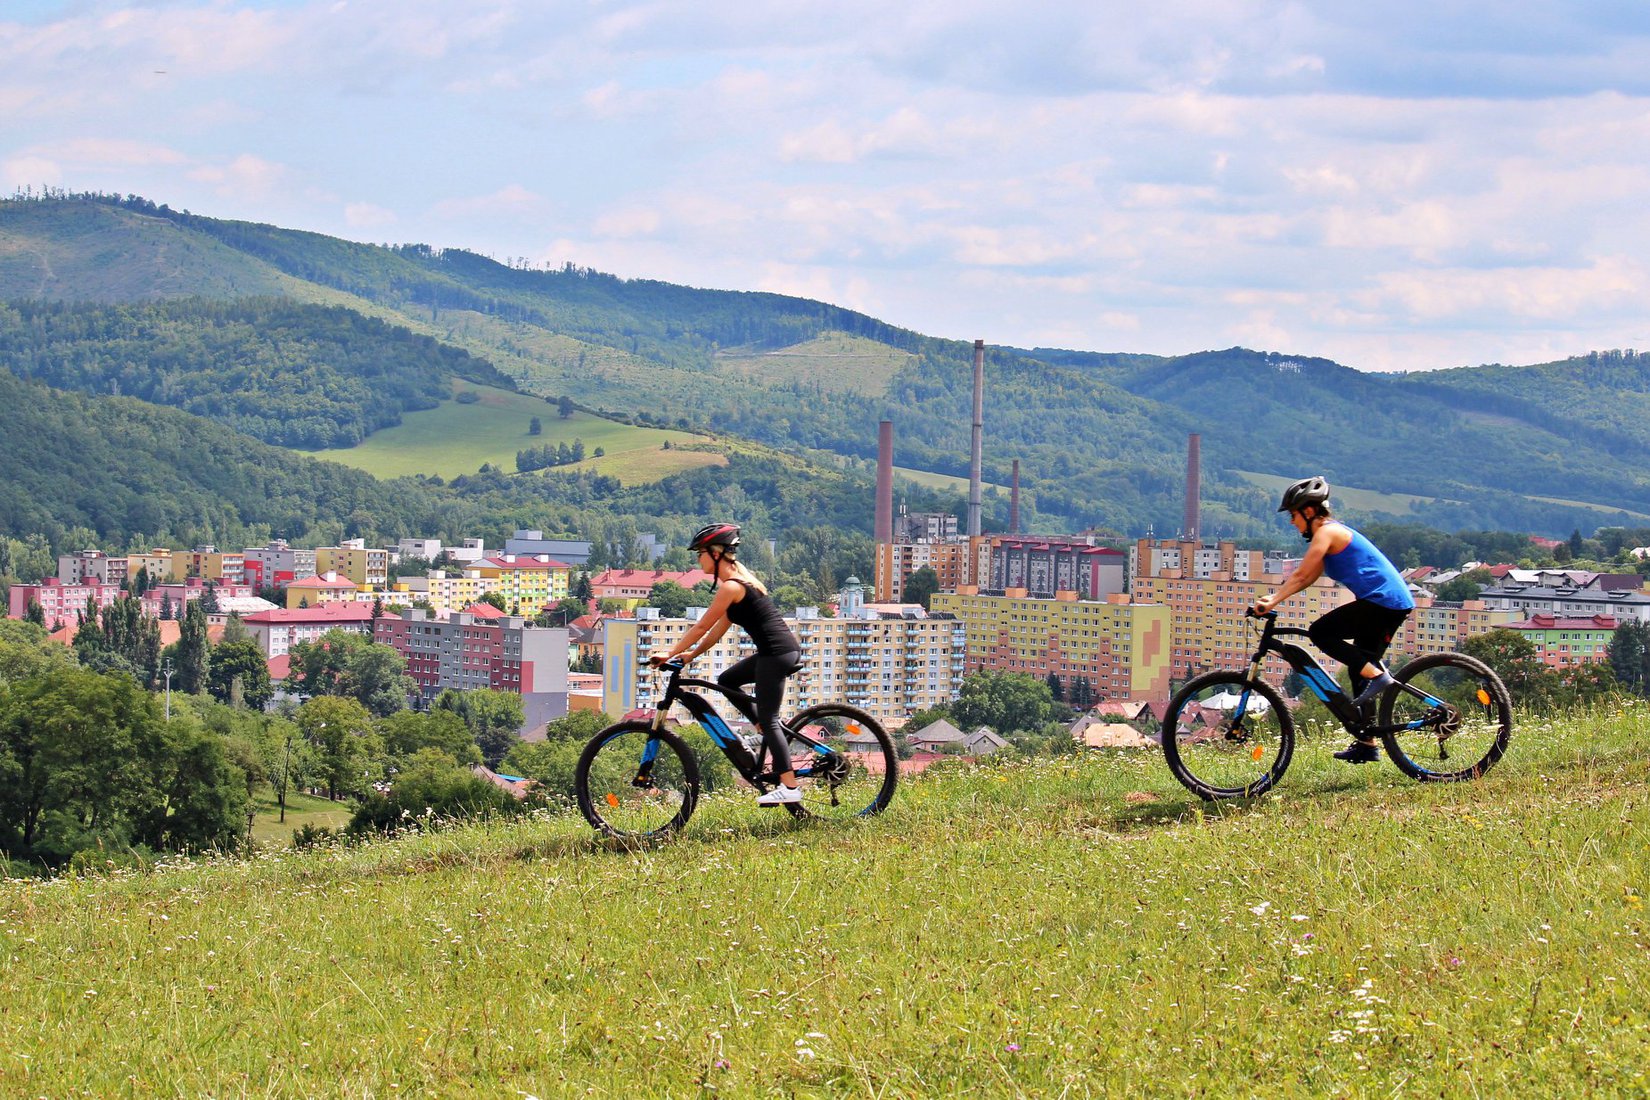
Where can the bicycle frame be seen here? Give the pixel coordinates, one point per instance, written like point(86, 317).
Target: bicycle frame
point(731, 744)
point(1325, 686)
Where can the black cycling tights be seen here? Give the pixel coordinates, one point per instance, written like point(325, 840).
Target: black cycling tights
point(1356, 634)
point(767, 672)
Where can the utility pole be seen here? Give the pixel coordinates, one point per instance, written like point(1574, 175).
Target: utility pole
point(167, 670)
point(286, 772)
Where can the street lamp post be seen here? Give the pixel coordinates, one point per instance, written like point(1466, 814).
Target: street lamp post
point(167, 670)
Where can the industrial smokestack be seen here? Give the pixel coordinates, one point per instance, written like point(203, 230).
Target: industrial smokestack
point(885, 482)
point(1190, 526)
point(979, 437)
point(1014, 502)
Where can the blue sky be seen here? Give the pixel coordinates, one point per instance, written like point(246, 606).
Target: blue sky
point(1396, 186)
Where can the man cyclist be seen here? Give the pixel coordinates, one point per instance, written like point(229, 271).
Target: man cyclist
point(743, 600)
point(1356, 634)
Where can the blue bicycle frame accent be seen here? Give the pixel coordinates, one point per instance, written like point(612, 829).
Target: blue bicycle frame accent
point(719, 732)
point(1320, 683)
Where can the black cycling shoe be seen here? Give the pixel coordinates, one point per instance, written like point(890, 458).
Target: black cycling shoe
point(1359, 752)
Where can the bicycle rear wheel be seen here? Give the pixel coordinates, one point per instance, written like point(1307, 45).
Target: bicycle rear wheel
point(1460, 714)
point(1227, 736)
point(636, 783)
point(845, 762)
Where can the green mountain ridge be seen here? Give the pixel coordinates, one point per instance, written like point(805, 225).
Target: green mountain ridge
point(1100, 436)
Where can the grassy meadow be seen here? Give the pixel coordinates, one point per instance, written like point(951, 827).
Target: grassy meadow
point(1077, 927)
point(834, 360)
point(456, 438)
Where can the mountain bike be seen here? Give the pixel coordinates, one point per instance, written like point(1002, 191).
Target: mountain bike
point(640, 780)
point(1229, 734)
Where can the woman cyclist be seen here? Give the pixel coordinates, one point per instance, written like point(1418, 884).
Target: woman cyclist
point(742, 600)
point(1356, 634)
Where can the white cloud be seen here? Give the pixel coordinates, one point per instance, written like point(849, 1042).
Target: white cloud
point(367, 215)
point(245, 176)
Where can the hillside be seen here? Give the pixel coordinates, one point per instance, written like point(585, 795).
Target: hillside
point(1059, 927)
point(291, 374)
point(118, 467)
point(1100, 437)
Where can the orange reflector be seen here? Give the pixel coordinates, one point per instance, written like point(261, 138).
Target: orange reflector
point(1483, 697)
point(853, 727)
point(1257, 752)
point(612, 800)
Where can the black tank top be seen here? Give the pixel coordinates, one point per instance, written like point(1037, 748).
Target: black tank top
point(759, 618)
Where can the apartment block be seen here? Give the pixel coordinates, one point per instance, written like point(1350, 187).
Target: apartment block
point(1045, 567)
point(1208, 628)
point(888, 664)
point(949, 559)
point(1191, 558)
point(209, 564)
point(1567, 642)
point(527, 582)
point(464, 652)
point(276, 564)
point(446, 591)
point(92, 567)
point(1435, 627)
point(1119, 649)
point(277, 631)
point(1568, 602)
point(158, 562)
point(60, 602)
point(329, 587)
point(355, 560)
point(633, 586)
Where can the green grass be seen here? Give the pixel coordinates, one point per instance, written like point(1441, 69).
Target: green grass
point(834, 360)
point(1362, 500)
point(940, 481)
point(457, 438)
point(301, 810)
point(1049, 928)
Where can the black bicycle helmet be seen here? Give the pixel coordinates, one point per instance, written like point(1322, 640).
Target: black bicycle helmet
point(724, 535)
point(1308, 490)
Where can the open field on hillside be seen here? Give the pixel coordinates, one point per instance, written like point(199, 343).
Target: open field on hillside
point(301, 810)
point(833, 360)
point(457, 439)
point(1361, 500)
point(941, 481)
point(1062, 927)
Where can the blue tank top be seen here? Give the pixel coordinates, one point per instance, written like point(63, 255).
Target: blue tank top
point(1368, 573)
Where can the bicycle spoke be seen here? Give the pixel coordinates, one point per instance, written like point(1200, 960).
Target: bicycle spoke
point(1226, 737)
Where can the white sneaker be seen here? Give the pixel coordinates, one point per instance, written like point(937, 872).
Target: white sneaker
point(780, 796)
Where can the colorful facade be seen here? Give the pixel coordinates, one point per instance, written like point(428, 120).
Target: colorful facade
point(464, 652)
point(890, 666)
point(209, 564)
point(355, 560)
point(527, 582)
point(1117, 648)
point(1566, 642)
point(315, 591)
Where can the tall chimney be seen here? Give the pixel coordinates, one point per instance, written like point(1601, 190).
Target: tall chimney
point(885, 482)
point(1190, 526)
point(1014, 501)
point(979, 437)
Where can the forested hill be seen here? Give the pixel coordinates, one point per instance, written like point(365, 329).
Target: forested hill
point(1494, 446)
point(287, 373)
point(1100, 437)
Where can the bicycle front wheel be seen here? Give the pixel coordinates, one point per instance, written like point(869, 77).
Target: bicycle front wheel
point(845, 762)
point(637, 783)
point(1227, 736)
point(1457, 717)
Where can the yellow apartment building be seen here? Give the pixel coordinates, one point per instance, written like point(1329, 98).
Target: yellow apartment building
point(1119, 649)
point(314, 591)
point(526, 581)
point(206, 562)
point(354, 559)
